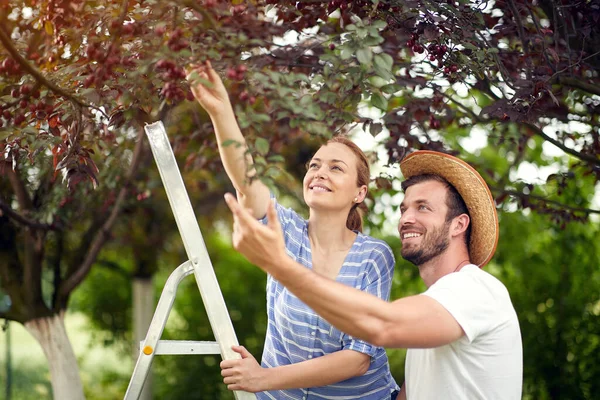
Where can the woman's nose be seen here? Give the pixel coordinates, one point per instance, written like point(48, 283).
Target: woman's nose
point(320, 173)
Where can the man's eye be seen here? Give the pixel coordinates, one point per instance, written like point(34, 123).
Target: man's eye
point(422, 207)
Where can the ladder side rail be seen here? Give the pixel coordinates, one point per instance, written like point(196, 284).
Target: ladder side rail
point(155, 330)
point(194, 244)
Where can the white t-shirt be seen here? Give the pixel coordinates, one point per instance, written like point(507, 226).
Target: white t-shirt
point(486, 363)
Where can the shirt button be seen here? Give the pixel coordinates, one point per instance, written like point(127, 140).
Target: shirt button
point(309, 356)
point(312, 333)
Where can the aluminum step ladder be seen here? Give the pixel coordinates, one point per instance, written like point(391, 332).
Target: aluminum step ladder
point(198, 263)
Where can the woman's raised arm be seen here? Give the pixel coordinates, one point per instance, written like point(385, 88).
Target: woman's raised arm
point(209, 91)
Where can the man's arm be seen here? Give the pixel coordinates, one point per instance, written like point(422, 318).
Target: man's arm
point(402, 394)
point(416, 321)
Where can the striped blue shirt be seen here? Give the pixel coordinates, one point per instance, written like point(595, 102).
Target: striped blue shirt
point(295, 333)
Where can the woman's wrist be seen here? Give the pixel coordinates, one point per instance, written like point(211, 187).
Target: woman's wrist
point(266, 379)
point(223, 111)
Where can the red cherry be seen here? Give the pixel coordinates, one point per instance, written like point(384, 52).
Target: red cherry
point(232, 73)
point(19, 119)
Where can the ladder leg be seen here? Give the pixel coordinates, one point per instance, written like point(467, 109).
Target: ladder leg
point(159, 320)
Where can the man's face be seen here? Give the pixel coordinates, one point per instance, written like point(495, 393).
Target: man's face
point(423, 229)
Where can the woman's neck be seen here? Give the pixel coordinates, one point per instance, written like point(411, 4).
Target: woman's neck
point(330, 233)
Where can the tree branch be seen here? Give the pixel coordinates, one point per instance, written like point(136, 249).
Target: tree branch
point(113, 266)
point(578, 84)
point(8, 45)
point(560, 205)
point(71, 282)
point(5, 208)
point(521, 34)
point(574, 153)
point(20, 190)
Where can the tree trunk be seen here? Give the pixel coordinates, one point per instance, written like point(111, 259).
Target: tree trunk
point(50, 332)
point(143, 310)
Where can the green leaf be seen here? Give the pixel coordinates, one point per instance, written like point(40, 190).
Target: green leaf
point(231, 142)
point(379, 101)
point(377, 81)
point(276, 158)
point(364, 55)
point(391, 88)
point(262, 146)
point(384, 73)
point(379, 24)
point(384, 61)
point(345, 53)
point(5, 133)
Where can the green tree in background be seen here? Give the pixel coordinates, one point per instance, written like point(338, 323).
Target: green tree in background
point(79, 79)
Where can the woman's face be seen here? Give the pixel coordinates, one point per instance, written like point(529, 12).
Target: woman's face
point(330, 182)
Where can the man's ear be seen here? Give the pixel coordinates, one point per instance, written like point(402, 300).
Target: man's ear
point(460, 224)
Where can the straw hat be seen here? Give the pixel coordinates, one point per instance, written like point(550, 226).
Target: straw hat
point(473, 190)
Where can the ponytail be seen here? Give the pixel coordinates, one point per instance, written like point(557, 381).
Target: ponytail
point(354, 222)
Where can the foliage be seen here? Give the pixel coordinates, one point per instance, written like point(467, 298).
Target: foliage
point(79, 79)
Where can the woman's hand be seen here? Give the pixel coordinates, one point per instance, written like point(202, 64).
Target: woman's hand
point(245, 374)
point(208, 88)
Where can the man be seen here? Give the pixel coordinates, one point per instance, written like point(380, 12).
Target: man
point(462, 334)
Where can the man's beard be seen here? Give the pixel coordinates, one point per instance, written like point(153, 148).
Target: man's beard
point(436, 242)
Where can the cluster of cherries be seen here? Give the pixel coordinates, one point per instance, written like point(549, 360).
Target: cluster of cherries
point(436, 52)
point(172, 74)
point(104, 69)
point(25, 102)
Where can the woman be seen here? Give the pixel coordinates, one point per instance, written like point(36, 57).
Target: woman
point(304, 356)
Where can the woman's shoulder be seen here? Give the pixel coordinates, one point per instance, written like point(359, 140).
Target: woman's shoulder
point(370, 242)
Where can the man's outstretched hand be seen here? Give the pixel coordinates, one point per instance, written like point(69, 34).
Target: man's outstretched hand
point(261, 244)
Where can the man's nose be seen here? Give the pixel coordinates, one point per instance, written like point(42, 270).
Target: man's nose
point(406, 217)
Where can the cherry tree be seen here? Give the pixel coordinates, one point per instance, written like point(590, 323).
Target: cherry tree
point(79, 79)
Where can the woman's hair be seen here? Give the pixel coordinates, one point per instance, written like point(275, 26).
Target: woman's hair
point(363, 175)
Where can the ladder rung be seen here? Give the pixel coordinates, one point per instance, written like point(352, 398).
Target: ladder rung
point(183, 347)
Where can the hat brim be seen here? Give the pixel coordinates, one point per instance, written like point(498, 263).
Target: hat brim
point(474, 191)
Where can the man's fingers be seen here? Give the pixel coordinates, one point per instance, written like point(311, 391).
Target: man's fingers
point(272, 219)
point(232, 203)
point(245, 217)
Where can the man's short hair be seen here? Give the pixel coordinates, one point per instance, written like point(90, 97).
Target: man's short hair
point(454, 201)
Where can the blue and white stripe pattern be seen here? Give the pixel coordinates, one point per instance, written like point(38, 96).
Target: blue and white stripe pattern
point(296, 333)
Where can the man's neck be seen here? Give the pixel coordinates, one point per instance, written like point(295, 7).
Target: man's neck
point(448, 262)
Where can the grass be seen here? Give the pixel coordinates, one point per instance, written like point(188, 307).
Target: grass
point(30, 376)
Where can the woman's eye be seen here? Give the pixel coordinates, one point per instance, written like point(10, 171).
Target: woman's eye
point(313, 165)
point(335, 167)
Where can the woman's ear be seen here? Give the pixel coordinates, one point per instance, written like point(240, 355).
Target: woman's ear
point(362, 193)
